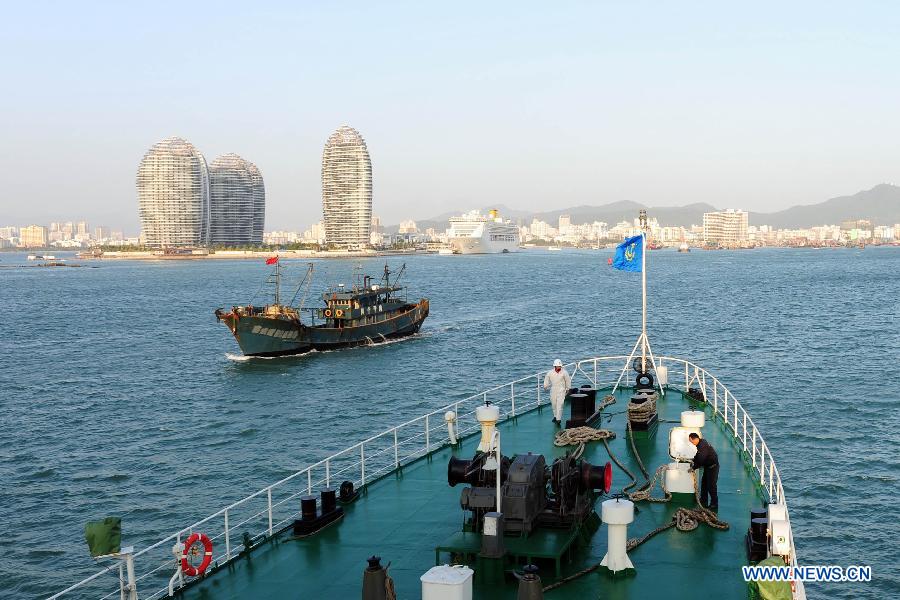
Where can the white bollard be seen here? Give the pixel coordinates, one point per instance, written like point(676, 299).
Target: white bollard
point(450, 418)
point(487, 415)
point(617, 513)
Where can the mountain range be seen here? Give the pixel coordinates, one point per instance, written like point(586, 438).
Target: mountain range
point(881, 205)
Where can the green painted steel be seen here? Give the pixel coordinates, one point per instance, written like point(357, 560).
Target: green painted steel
point(405, 516)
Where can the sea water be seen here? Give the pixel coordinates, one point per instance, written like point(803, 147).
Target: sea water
point(122, 395)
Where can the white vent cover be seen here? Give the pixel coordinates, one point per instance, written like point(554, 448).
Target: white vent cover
point(680, 447)
point(447, 583)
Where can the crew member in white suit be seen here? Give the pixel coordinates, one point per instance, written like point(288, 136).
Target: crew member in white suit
point(558, 382)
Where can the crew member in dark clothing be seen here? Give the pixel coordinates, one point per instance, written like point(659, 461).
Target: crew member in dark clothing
point(706, 459)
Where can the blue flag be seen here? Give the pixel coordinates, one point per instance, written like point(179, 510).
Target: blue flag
point(629, 254)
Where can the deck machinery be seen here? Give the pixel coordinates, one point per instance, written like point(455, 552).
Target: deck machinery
point(544, 509)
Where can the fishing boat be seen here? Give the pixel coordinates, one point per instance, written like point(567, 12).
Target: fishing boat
point(367, 313)
point(684, 247)
point(488, 498)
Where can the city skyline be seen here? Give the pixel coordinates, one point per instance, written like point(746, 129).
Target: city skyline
point(754, 112)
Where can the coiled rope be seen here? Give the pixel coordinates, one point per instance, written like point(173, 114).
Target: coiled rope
point(642, 412)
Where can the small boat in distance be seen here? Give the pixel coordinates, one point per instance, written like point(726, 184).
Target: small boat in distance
point(41, 257)
point(366, 314)
point(553, 248)
point(684, 247)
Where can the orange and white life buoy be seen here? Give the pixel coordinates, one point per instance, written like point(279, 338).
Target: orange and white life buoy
point(327, 312)
point(186, 567)
point(339, 313)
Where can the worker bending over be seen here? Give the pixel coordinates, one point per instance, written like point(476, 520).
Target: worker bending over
point(706, 459)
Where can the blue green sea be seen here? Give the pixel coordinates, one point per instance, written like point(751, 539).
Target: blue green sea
point(122, 395)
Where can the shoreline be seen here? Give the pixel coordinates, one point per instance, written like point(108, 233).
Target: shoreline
point(247, 254)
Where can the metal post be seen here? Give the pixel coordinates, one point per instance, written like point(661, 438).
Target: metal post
point(328, 473)
point(687, 382)
point(427, 435)
point(362, 464)
point(269, 496)
point(227, 539)
point(512, 397)
point(744, 436)
point(538, 377)
point(753, 446)
point(396, 451)
point(644, 291)
point(595, 373)
point(121, 581)
point(132, 582)
point(771, 469)
point(735, 412)
point(726, 404)
point(309, 481)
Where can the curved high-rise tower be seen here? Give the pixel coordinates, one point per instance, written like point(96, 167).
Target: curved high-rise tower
point(237, 200)
point(173, 195)
point(347, 189)
point(259, 203)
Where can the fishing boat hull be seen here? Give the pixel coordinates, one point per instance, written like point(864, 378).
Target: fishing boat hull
point(278, 336)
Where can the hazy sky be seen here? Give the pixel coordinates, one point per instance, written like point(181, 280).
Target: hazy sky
point(533, 105)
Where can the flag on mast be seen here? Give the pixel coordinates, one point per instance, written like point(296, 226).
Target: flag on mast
point(629, 254)
point(272, 260)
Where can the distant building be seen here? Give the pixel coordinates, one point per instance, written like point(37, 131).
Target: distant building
point(102, 233)
point(347, 189)
point(173, 195)
point(33, 236)
point(408, 226)
point(565, 221)
point(8, 233)
point(237, 202)
point(725, 228)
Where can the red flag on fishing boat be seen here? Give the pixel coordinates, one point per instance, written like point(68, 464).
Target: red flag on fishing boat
point(272, 260)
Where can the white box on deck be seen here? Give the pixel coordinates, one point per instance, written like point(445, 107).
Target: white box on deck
point(447, 583)
point(680, 447)
point(662, 375)
point(679, 479)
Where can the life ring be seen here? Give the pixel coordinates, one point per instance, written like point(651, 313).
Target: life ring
point(644, 380)
point(186, 567)
point(327, 312)
point(339, 313)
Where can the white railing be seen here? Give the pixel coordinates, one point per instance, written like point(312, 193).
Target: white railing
point(268, 511)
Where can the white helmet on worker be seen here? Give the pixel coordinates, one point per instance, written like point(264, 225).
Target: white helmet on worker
point(557, 363)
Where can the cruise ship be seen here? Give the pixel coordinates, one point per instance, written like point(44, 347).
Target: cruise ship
point(475, 233)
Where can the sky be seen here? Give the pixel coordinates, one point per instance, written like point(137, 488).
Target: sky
point(535, 106)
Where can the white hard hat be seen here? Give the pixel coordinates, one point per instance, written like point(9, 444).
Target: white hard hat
point(557, 363)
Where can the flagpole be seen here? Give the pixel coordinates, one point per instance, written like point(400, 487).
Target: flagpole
point(643, 217)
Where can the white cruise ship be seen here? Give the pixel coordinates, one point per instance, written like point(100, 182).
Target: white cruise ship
point(475, 233)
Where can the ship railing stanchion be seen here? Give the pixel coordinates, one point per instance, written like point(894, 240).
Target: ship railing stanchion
point(328, 472)
point(362, 464)
point(309, 481)
point(512, 397)
point(396, 451)
point(269, 497)
point(427, 435)
point(227, 539)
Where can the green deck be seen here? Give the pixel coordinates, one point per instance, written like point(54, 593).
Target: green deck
point(405, 516)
